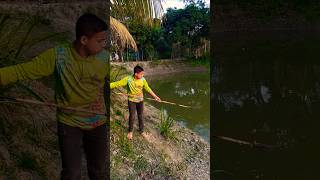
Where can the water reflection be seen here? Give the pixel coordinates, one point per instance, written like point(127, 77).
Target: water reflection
point(191, 89)
point(268, 93)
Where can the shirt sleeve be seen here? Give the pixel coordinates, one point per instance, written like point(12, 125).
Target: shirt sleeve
point(40, 66)
point(146, 86)
point(122, 82)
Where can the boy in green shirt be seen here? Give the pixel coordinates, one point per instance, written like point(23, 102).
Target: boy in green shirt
point(135, 84)
point(79, 71)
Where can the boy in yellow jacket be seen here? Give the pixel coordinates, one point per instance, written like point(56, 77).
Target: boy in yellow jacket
point(135, 84)
point(79, 71)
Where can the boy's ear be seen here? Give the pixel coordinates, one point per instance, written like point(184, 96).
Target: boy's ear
point(84, 40)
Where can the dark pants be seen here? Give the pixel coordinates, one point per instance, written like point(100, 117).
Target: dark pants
point(95, 147)
point(133, 107)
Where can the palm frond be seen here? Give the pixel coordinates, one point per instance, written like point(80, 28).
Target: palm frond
point(143, 11)
point(120, 34)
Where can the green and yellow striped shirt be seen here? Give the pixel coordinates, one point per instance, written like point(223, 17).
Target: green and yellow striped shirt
point(134, 87)
point(78, 82)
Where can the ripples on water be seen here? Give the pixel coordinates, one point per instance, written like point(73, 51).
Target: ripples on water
point(191, 89)
point(267, 90)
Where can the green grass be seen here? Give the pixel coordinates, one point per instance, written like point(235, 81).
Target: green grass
point(165, 125)
point(126, 147)
point(140, 164)
point(123, 144)
point(164, 169)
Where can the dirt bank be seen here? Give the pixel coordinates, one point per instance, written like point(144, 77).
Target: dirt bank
point(186, 156)
point(162, 66)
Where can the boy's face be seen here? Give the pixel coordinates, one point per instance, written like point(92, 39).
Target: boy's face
point(139, 75)
point(96, 42)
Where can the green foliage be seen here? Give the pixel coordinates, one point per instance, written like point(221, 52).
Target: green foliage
point(160, 44)
point(139, 11)
point(187, 27)
point(150, 40)
point(165, 125)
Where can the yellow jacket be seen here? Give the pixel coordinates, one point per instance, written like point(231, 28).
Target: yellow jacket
point(78, 82)
point(134, 87)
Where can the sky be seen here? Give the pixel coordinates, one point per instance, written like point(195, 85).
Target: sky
point(177, 3)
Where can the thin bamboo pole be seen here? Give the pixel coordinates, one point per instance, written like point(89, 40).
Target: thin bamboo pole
point(241, 142)
point(167, 102)
point(29, 101)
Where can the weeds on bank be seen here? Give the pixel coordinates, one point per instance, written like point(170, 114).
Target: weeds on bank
point(125, 146)
point(166, 125)
point(140, 164)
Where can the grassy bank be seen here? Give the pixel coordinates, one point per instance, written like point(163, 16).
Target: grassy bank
point(170, 151)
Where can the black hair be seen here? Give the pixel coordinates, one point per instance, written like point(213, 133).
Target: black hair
point(137, 69)
point(89, 24)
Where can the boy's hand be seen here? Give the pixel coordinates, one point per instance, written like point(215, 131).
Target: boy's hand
point(157, 98)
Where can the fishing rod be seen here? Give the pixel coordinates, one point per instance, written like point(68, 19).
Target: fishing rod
point(241, 142)
point(29, 101)
point(161, 101)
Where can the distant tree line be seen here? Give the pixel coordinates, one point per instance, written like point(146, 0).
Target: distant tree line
point(183, 33)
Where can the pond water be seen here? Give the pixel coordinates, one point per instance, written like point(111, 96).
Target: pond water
point(190, 89)
point(267, 89)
